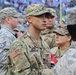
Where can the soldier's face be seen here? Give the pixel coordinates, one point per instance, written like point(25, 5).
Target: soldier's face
point(51, 22)
point(14, 22)
point(38, 22)
point(61, 40)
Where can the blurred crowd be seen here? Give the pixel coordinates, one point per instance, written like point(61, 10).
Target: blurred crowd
point(20, 5)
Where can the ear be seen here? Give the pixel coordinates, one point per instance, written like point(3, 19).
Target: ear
point(29, 19)
point(8, 20)
point(69, 38)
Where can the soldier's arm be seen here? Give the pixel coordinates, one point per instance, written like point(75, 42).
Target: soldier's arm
point(5, 42)
point(18, 61)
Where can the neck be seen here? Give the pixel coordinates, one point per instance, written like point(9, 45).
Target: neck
point(35, 33)
point(64, 46)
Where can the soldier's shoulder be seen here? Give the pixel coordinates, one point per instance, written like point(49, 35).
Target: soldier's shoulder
point(3, 31)
point(6, 35)
point(54, 50)
point(26, 38)
point(43, 32)
point(50, 35)
point(15, 43)
point(20, 41)
point(44, 42)
point(53, 34)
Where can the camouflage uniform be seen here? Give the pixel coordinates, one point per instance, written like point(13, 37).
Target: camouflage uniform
point(49, 36)
point(31, 56)
point(67, 64)
point(26, 55)
point(58, 53)
point(5, 41)
point(61, 30)
point(7, 36)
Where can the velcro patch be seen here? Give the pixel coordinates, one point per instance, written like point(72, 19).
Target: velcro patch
point(16, 53)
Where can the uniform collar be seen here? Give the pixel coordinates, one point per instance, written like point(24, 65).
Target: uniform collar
point(8, 29)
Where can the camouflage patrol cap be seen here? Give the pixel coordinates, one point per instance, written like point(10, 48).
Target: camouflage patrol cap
point(52, 11)
point(8, 12)
point(62, 30)
point(71, 16)
point(35, 9)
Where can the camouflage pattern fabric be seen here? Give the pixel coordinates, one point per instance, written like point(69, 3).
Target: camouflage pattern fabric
point(67, 64)
point(71, 16)
point(36, 9)
point(26, 57)
point(62, 30)
point(57, 52)
point(52, 11)
point(49, 38)
point(6, 38)
point(8, 12)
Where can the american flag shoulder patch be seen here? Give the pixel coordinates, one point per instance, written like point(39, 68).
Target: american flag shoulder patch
point(16, 53)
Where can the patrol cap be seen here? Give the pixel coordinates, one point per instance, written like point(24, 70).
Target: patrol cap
point(8, 12)
point(35, 9)
point(71, 16)
point(62, 30)
point(51, 11)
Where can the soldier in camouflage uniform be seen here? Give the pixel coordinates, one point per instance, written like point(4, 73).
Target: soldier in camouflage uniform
point(48, 34)
point(9, 20)
point(63, 41)
point(67, 64)
point(29, 55)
